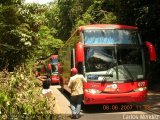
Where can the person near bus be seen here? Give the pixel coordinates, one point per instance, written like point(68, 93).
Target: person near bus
point(41, 74)
point(76, 86)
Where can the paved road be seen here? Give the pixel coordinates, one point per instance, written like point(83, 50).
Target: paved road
point(101, 112)
point(62, 101)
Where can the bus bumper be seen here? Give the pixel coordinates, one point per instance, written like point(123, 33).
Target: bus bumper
point(54, 79)
point(114, 98)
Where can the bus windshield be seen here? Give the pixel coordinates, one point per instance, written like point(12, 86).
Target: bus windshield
point(111, 36)
point(54, 63)
point(116, 62)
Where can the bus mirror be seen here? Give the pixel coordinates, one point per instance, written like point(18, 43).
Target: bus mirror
point(59, 68)
point(49, 66)
point(152, 51)
point(79, 52)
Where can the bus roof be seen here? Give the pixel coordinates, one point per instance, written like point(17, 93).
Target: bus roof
point(106, 26)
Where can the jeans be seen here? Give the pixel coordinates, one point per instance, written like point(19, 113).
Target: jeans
point(75, 102)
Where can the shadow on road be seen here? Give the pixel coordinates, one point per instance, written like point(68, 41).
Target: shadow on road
point(54, 84)
point(65, 93)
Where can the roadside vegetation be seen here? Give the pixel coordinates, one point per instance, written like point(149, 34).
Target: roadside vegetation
point(31, 31)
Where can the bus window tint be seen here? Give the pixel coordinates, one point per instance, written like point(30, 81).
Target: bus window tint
point(111, 36)
point(130, 63)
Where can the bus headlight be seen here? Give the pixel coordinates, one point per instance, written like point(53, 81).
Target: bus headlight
point(93, 91)
point(140, 89)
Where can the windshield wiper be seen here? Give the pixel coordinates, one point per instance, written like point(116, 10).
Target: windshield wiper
point(129, 73)
point(109, 75)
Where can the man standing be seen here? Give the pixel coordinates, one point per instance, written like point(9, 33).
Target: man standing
point(41, 73)
point(76, 86)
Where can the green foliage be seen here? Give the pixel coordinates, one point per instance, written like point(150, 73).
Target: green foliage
point(70, 14)
point(48, 44)
point(17, 95)
point(25, 26)
point(43, 42)
point(52, 14)
point(10, 2)
point(24, 36)
point(10, 32)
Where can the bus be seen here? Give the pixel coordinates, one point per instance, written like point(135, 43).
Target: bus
point(52, 63)
point(112, 58)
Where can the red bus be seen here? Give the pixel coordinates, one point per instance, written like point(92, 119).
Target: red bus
point(53, 68)
point(112, 58)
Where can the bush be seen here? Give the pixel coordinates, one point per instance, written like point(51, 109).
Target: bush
point(20, 94)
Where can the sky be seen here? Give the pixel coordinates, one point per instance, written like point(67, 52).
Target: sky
point(38, 1)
